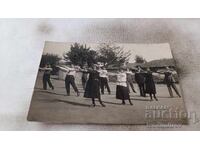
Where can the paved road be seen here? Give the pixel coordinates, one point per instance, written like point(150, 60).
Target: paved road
point(55, 107)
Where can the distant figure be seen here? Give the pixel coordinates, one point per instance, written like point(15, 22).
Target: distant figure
point(92, 89)
point(103, 74)
point(140, 79)
point(170, 82)
point(122, 89)
point(84, 77)
point(70, 79)
point(46, 77)
point(130, 80)
point(150, 87)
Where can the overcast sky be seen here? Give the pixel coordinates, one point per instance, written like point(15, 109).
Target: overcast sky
point(148, 51)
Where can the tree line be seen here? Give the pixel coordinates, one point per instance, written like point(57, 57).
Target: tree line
point(82, 55)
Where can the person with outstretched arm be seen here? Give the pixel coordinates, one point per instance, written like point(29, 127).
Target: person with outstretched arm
point(103, 74)
point(130, 80)
point(70, 79)
point(150, 87)
point(140, 80)
point(122, 91)
point(84, 77)
point(170, 81)
point(92, 89)
point(47, 77)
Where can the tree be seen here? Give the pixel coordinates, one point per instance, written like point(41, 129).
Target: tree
point(51, 59)
point(112, 55)
point(81, 55)
point(139, 59)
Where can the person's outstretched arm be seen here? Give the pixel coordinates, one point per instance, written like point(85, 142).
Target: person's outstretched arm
point(160, 72)
point(65, 69)
point(46, 69)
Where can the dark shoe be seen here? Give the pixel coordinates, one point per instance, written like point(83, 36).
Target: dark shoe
point(130, 102)
point(156, 98)
point(93, 105)
point(103, 105)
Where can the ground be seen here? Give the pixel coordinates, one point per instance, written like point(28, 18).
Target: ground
point(54, 106)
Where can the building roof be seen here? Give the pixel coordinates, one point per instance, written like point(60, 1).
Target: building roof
point(153, 63)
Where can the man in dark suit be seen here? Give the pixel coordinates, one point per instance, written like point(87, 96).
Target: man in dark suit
point(140, 79)
point(46, 76)
point(170, 82)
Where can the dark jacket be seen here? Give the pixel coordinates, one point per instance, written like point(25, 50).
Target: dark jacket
point(140, 77)
point(169, 79)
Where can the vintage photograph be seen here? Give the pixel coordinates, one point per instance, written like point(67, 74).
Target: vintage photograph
point(107, 83)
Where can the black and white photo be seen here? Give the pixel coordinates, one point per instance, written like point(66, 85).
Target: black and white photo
point(107, 83)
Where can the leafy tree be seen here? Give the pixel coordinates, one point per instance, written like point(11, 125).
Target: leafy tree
point(112, 55)
point(139, 59)
point(92, 57)
point(81, 55)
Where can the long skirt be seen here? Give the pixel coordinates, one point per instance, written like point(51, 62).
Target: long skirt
point(122, 92)
point(150, 87)
point(92, 89)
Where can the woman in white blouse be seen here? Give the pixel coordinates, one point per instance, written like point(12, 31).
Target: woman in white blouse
point(122, 91)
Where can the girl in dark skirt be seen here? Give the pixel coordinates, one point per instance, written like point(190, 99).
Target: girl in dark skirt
point(122, 91)
point(150, 87)
point(92, 89)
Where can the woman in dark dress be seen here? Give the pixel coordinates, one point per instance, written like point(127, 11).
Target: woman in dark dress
point(150, 87)
point(92, 89)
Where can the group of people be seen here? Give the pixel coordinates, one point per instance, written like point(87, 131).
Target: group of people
point(95, 80)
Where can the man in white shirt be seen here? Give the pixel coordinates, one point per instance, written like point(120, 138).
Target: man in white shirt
point(70, 79)
point(103, 74)
point(130, 80)
point(84, 77)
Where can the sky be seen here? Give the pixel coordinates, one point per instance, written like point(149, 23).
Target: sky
point(147, 51)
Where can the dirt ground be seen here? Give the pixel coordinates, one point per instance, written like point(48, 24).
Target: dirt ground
point(53, 106)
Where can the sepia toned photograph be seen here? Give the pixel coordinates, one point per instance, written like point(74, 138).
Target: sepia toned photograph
point(107, 83)
point(105, 66)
